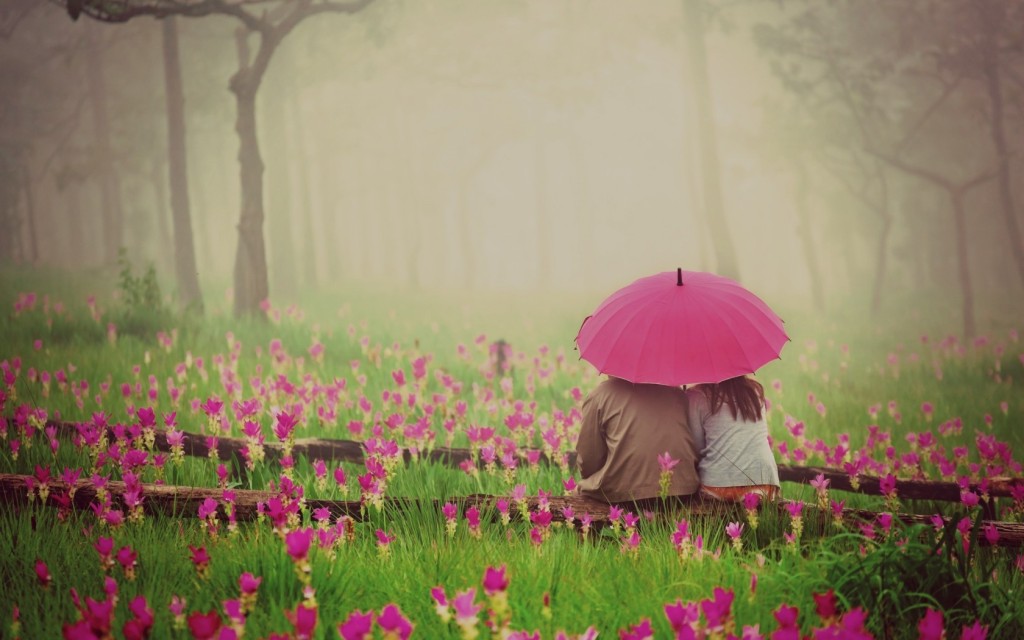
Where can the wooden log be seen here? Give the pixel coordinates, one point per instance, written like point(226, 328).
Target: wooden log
point(352, 451)
point(180, 501)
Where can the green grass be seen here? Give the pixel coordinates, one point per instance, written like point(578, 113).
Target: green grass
point(590, 582)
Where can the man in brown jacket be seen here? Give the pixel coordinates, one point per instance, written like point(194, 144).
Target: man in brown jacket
point(625, 428)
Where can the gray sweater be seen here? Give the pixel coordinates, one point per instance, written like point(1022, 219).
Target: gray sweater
point(733, 453)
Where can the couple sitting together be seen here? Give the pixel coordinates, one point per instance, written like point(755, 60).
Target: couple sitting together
point(716, 432)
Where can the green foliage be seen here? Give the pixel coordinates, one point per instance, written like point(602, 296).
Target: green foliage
point(897, 578)
point(142, 311)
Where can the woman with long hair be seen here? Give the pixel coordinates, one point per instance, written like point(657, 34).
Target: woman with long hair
point(729, 428)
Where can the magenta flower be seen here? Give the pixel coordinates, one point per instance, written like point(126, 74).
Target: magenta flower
point(991, 534)
point(734, 530)
point(207, 509)
point(392, 621)
point(126, 557)
point(569, 485)
point(541, 518)
point(666, 462)
point(495, 581)
point(303, 619)
point(795, 509)
point(450, 511)
point(977, 631)
point(248, 583)
point(682, 616)
point(204, 626)
point(787, 616)
point(297, 543)
point(465, 607)
point(285, 425)
point(200, 558)
point(826, 605)
point(43, 574)
point(751, 501)
point(932, 626)
point(357, 626)
point(717, 609)
point(441, 603)
point(473, 517)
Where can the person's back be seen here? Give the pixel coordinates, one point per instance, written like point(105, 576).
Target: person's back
point(625, 428)
point(732, 441)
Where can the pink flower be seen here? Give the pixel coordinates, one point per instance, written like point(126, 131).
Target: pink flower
point(666, 462)
point(297, 543)
point(820, 482)
point(43, 574)
point(495, 581)
point(682, 616)
point(717, 609)
point(932, 626)
point(392, 621)
point(248, 583)
point(991, 534)
point(304, 621)
point(465, 607)
point(200, 558)
point(357, 626)
point(751, 501)
point(450, 511)
point(795, 509)
point(734, 530)
point(977, 631)
point(825, 604)
point(204, 626)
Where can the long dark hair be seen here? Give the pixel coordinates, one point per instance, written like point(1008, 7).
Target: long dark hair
point(745, 397)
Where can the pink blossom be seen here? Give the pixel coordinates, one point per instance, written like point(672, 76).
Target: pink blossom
point(248, 583)
point(495, 580)
point(298, 542)
point(932, 626)
point(392, 621)
point(357, 626)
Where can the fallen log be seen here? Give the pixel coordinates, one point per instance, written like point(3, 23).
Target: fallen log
point(180, 501)
point(353, 451)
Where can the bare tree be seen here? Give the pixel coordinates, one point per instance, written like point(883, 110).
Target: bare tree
point(189, 294)
point(274, 22)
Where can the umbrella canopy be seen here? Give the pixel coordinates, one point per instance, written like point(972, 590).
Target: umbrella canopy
point(681, 327)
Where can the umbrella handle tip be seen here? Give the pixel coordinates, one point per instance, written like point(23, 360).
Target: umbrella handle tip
point(679, 276)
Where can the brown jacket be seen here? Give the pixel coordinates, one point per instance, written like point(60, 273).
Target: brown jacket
point(625, 428)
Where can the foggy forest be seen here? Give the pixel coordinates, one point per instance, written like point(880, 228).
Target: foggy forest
point(843, 154)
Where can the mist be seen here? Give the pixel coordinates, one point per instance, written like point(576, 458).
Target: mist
point(537, 147)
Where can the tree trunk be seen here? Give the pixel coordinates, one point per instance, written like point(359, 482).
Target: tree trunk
point(807, 238)
point(110, 187)
point(714, 208)
point(251, 287)
point(997, 130)
point(963, 266)
point(186, 273)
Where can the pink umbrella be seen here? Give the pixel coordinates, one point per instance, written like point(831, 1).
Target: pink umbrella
point(686, 327)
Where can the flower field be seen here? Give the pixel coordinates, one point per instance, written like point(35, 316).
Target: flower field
point(488, 546)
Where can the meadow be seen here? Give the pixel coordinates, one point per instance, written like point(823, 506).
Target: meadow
point(901, 398)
